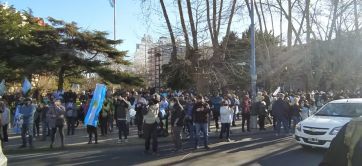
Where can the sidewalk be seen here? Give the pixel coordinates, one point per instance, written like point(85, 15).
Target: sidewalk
point(80, 139)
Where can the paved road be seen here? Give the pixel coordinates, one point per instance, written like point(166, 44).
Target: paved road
point(254, 150)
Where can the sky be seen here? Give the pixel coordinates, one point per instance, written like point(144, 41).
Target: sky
point(93, 15)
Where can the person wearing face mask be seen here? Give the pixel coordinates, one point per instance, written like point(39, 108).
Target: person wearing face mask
point(177, 122)
point(27, 112)
point(56, 120)
point(226, 117)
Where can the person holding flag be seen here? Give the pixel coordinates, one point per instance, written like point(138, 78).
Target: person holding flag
point(27, 112)
point(94, 109)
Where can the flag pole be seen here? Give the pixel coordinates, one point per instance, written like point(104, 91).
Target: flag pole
point(114, 21)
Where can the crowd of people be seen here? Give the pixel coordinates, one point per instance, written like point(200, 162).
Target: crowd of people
point(185, 113)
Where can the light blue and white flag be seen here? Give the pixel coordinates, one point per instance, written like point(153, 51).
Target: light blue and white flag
point(95, 105)
point(2, 88)
point(26, 86)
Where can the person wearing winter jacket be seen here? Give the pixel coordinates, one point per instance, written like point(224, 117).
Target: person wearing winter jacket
point(200, 118)
point(121, 113)
point(56, 119)
point(226, 117)
point(27, 113)
point(261, 111)
point(246, 112)
point(151, 121)
point(177, 122)
point(5, 119)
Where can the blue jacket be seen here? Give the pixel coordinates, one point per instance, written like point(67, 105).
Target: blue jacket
point(27, 112)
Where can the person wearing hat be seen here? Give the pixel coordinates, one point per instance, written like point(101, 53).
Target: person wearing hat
point(151, 121)
point(27, 113)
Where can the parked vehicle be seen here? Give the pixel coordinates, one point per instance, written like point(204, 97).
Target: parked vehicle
point(320, 129)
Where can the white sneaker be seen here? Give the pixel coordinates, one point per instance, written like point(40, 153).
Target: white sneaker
point(119, 141)
point(126, 140)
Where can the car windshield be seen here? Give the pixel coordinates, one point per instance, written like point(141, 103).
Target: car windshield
point(341, 110)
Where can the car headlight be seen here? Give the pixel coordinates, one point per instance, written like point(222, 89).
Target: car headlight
point(335, 130)
point(298, 127)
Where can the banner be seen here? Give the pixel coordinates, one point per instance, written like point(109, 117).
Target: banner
point(95, 105)
point(26, 86)
point(276, 91)
point(2, 88)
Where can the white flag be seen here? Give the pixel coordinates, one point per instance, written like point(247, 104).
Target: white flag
point(276, 91)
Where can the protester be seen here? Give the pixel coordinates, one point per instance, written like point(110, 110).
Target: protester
point(122, 107)
point(246, 112)
point(103, 119)
point(226, 117)
point(5, 119)
point(44, 120)
point(200, 117)
point(305, 111)
point(177, 122)
point(37, 119)
point(71, 114)
point(27, 113)
point(151, 121)
point(261, 110)
point(295, 112)
point(215, 106)
point(56, 119)
point(141, 104)
point(280, 111)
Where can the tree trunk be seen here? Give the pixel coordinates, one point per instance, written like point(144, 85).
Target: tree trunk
point(214, 27)
point(259, 17)
point(173, 40)
point(281, 27)
point(262, 14)
point(307, 17)
point(356, 23)
point(192, 24)
point(271, 17)
point(209, 23)
point(61, 78)
point(229, 24)
point(184, 29)
point(289, 34)
point(219, 18)
point(334, 19)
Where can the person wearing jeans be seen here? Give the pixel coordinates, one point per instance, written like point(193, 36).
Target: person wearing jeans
point(200, 118)
point(27, 112)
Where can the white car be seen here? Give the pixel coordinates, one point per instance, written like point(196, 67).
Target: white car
point(319, 129)
point(3, 159)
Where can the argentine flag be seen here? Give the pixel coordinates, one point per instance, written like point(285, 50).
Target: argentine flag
point(26, 86)
point(95, 105)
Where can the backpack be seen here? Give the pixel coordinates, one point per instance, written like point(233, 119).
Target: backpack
point(352, 137)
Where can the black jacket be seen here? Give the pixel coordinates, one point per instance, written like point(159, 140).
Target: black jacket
point(177, 113)
point(200, 116)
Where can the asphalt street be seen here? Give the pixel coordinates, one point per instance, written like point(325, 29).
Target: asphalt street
point(254, 150)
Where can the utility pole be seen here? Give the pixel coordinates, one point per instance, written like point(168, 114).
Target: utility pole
point(114, 21)
point(252, 43)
